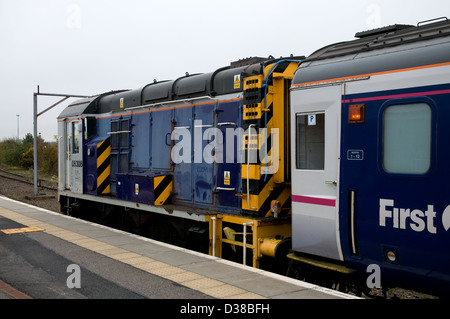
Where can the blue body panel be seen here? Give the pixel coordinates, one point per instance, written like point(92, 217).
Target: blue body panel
point(202, 183)
point(197, 182)
point(421, 244)
point(136, 187)
point(202, 170)
point(183, 119)
point(227, 114)
point(141, 137)
point(90, 165)
point(160, 130)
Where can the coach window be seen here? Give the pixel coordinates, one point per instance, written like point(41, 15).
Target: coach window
point(310, 141)
point(407, 130)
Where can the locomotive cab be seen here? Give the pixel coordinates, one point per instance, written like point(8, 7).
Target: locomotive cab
point(73, 129)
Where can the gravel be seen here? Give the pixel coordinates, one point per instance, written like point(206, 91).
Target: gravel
point(24, 192)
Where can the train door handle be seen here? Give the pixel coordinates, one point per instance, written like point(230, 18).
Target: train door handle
point(331, 182)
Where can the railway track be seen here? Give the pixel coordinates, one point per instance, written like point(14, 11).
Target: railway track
point(24, 179)
point(21, 188)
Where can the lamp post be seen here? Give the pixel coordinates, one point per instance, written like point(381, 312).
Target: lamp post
point(18, 126)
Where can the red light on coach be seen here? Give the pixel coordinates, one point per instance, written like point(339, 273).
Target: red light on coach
point(356, 113)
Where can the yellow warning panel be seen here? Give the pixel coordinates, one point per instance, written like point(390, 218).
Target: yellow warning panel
point(226, 178)
point(237, 81)
point(21, 230)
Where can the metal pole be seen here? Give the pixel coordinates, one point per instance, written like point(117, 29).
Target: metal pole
point(214, 236)
point(35, 130)
point(18, 135)
point(244, 242)
point(50, 107)
point(60, 94)
point(35, 166)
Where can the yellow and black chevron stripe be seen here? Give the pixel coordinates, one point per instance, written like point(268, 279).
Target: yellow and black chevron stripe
point(103, 167)
point(262, 192)
point(162, 186)
point(266, 110)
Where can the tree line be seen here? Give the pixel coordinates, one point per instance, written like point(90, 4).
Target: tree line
point(19, 153)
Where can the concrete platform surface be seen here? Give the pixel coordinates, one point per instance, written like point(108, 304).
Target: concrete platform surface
point(140, 264)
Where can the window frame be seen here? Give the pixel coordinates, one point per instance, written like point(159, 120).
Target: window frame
point(433, 138)
point(120, 152)
point(296, 158)
point(77, 136)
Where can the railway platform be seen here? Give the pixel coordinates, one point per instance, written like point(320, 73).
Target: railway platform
point(79, 259)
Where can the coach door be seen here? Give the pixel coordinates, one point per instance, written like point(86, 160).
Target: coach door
point(315, 127)
point(74, 157)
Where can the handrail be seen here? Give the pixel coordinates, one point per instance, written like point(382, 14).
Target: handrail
point(248, 167)
point(214, 236)
point(244, 242)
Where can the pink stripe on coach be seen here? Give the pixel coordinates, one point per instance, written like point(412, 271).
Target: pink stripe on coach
point(314, 200)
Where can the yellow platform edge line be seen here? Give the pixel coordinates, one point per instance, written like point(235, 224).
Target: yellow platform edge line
point(21, 230)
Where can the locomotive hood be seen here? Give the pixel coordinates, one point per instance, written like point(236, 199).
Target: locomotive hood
point(84, 106)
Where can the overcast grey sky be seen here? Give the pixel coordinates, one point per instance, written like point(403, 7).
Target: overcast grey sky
point(90, 47)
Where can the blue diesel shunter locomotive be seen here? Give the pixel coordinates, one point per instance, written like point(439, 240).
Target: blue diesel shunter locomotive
point(337, 161)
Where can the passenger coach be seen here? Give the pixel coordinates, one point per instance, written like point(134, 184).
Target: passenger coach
point(370, 123)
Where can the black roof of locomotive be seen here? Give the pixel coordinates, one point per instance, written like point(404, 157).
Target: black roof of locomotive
point(189, 86)
point(379, 50)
